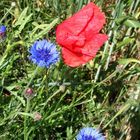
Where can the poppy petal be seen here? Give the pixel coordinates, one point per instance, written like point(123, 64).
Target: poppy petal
point(96, 23)
point(91, 47)
point(88, 52)
point(67, 31)
point(73, 59)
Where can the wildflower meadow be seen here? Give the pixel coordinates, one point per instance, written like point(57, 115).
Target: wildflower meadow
point(69, 69)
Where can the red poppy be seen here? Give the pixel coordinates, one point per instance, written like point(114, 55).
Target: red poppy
point(79, 35)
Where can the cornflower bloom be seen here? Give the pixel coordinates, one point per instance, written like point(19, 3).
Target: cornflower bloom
point(44, 53)
point(89, 133)
point(2, 32)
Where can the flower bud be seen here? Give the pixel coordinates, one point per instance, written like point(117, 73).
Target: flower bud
point(62, 88)
point(37, 116)
point(29, 93)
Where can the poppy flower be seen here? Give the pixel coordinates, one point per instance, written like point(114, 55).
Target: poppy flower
point(79, 35)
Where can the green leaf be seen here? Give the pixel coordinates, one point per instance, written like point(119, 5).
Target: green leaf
point(132, 23)
point(21, 99)
point(121, 19)
point(125, 42)
point(26, 114)
point(45, 29)
point(21, 17)
point(128, 60)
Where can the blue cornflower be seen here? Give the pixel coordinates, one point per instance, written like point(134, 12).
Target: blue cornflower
point(44, 53)
point(2, 32)
point(2, 29)
point(89, 133)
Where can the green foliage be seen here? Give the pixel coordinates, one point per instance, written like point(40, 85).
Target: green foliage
point(105, 93)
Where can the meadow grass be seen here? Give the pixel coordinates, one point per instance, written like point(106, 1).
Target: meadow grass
point(104, 93)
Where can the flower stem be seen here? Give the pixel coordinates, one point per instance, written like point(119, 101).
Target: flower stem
point(32, 77)
point(25, 119)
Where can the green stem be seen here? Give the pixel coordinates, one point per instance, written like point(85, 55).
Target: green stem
point(49, 99)
point(46, 82)
point(32, 77)
point(25, 119)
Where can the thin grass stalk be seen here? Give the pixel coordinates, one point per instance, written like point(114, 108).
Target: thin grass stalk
point(122, 110)
point(114, 36)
